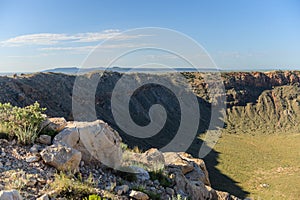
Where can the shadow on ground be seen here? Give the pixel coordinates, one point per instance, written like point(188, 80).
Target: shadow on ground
point(219, 181)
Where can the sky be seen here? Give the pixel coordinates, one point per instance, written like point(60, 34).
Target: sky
point(238, 35)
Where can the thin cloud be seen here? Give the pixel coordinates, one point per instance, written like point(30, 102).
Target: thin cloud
point(58, 38)
point(92, 47)
point(82, 48)
point(31, 56)
point(36, 39)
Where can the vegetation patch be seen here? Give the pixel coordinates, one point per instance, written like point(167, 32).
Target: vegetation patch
point(161, 177)
point(21, 123)
point(152, 195)
point(93, 197)
point(266, 166)
point(67, 185)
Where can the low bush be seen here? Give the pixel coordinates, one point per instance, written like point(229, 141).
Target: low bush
point(22, 123)
point(93, 197)
point(71, 187)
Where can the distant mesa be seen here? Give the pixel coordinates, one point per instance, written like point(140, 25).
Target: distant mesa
point(77, 70)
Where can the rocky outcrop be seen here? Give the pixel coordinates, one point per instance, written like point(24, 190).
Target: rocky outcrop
point(190, 176)
point(193, 168)
point(245, 87)
point(181, 174)
point(95, 140)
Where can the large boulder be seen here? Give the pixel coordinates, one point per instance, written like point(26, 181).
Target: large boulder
point(95, 140)
point(62, 157)
point(10, 195)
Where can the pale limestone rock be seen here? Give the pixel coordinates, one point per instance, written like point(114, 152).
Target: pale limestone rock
point(69, 136)
point(138, 195)
point(62, 157)
point(95, 140)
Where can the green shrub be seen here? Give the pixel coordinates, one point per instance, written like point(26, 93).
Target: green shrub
point(71, 187)
point(135, 149)
point(142, 188)
point(93, 197)
point(22, 123)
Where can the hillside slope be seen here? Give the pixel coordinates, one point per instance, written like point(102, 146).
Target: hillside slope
point(276, 110)
point(257, 102)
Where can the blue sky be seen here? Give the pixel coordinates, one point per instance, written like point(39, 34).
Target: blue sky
point(253, 34)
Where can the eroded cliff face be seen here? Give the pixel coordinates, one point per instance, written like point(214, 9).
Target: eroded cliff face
point(246, 87)
point(258, 102)
point(265, 102)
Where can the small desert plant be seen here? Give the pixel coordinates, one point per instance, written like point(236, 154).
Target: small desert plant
point(142, 188)
point(124, 146)
point(93, 197)
point(67, 185)
point(26, 135)
point(135, 149)
point(178, 197)
point(22, 123)
point(161, 177)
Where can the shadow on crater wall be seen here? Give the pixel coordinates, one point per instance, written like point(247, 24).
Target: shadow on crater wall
point(140, 103)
